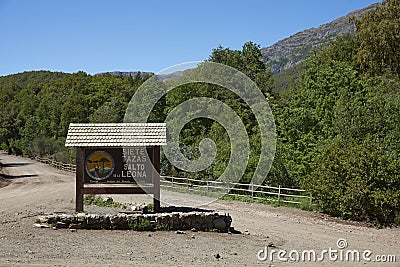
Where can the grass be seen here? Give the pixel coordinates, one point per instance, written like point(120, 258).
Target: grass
point(397, 218)
point(235, 194)
point(273, 201)
point(195, 190)
point(270, 200)
point(150, 208)
point(92, 199)
point(140, 224)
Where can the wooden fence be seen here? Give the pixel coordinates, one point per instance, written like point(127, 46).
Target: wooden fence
point(57, 165)
point(262, 192)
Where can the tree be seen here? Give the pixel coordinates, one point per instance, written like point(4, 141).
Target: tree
point(378, 32)
point(357, 181)
point(249, 60)
point(340, 126)
point(104, 161)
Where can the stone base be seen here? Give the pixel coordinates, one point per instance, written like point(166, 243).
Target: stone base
point(201, 221)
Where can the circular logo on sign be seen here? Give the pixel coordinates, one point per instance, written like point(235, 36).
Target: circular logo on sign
point(99, 165)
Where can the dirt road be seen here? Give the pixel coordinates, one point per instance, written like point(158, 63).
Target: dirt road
point(36, 188)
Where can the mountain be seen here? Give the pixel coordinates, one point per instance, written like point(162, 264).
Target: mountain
point(293, 50)
point(126, 73)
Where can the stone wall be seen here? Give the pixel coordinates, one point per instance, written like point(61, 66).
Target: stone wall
point(201, 221)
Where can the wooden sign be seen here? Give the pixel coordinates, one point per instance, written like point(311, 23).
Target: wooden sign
point(117, 158)
point(119, 165)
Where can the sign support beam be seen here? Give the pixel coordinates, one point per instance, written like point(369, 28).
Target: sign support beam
point(80, 170)
point(156, 179)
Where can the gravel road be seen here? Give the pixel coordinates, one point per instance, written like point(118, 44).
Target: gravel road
point(34, 188)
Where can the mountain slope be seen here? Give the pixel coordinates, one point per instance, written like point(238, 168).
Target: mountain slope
point(290, 51)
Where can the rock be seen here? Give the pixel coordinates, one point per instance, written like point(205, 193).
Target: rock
point(94, 221)
point(65, 218)
point(193, 236)
point(206, 226)
point(219, 224)
point(234, 231)
point(75, 226)
point(119, 221)
point(61, 225)
point(217, 256)
point(43, 219)
point(80, 218)
point(180, 232)
point(179, 221)
point(72, 230)
point(176, 224)
point(165, 221)
point(39, 225)
point(140, 207)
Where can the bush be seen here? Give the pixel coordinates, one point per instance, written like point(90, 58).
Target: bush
point(358, 181)
point(141, 224)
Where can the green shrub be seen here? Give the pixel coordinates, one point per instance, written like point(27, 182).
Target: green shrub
point(92, 199)
point(140, 224)
point(357, 181)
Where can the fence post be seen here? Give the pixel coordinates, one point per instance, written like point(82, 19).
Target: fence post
point(279, 193)
point(207, 184)
point(227, 187)
point(172, 180)
point(252, 189)
point(310, 198)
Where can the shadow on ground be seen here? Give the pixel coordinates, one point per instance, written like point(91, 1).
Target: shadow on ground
point(10, 177)
point(8, 165)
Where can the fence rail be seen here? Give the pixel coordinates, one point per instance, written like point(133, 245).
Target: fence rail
point(255, 191)
point(57, 165)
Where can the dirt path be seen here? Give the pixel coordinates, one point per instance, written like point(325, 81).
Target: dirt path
point(35, 188)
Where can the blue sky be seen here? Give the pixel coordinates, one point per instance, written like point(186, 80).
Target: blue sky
point(98, 36)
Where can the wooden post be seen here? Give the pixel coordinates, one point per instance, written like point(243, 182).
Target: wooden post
point(279, 194)
point(156, 179)
point(252, 189)
point(79, 173)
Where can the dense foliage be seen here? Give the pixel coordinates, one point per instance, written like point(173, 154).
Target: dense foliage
point(338, 124)
point(38, 106)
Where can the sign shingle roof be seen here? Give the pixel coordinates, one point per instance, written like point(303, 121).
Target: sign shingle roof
point(116, 134)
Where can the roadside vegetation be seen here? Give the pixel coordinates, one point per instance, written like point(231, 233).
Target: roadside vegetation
point(99, 201)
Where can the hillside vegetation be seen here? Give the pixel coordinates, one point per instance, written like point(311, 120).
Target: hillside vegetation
point(338, 123)
point(37, 107)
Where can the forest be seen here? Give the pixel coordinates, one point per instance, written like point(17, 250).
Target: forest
point(338, 123)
